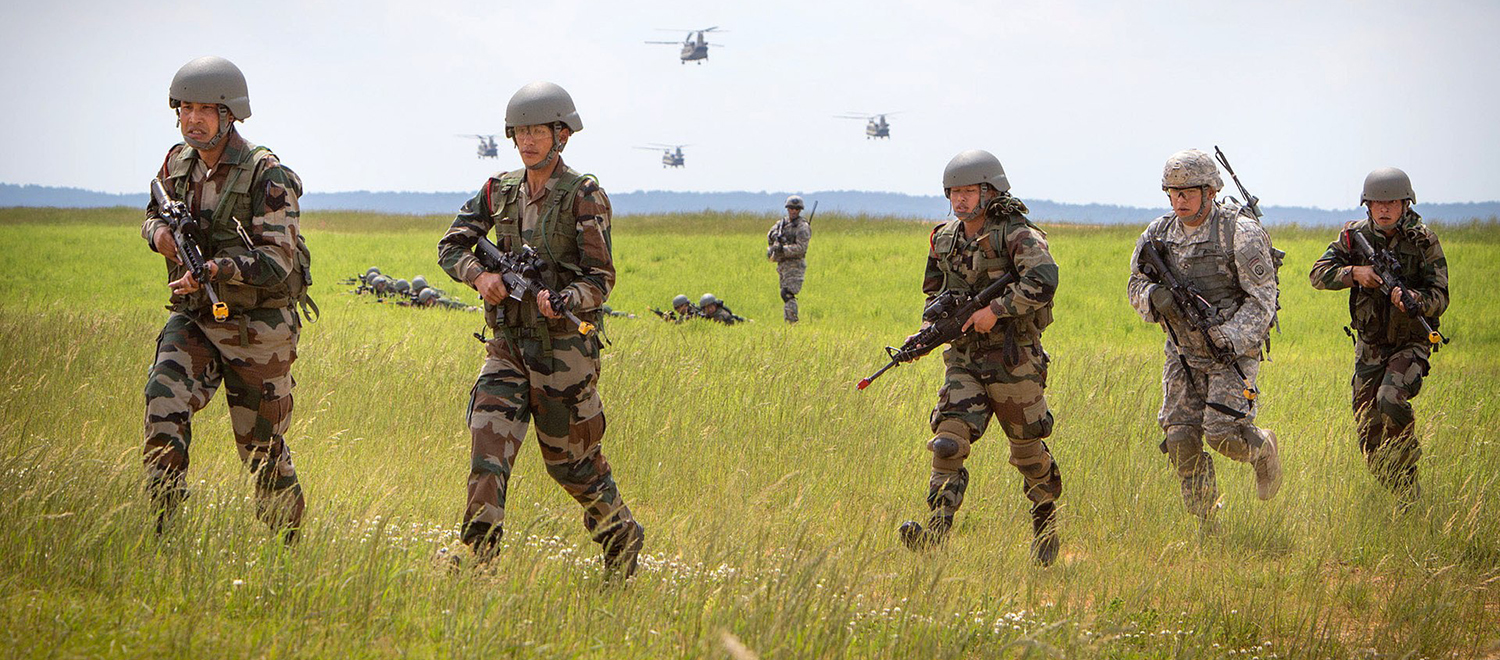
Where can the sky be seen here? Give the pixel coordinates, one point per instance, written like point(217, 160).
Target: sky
point(1081, 101)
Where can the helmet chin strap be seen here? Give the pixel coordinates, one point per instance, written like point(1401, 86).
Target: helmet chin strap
point(985, 197)
point(1205, 204)
point(552, 152)
point(225, 125)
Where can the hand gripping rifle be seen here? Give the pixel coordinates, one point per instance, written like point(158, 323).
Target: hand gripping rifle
point(776, 242)
point(945, 317)
point(522, 274)
point(1198, 314)
point(185, 231)
point(1388, 269)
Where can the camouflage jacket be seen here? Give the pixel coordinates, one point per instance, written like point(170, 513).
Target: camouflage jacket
point(1006, 243)
point(247, 208)
point(571, 235)
point(1423, 268)
point(1235, 275)
point(722, 315)
point(793, 236)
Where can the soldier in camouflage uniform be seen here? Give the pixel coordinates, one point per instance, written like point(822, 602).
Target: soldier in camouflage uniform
point(1226, 256)
point(538, 365)
point(998, 368)
point(788, 241)
point(714, 309)
point(1392, 349)
point(245, 201)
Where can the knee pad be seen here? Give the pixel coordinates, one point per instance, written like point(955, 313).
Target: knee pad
point(787, 295)
point(950, 446)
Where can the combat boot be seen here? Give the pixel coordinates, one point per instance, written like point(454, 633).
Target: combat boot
point(1045, 539)
point(483, 540)
point(622, 548)
point(167, 498)
point(1267, 462)
point(918, 539)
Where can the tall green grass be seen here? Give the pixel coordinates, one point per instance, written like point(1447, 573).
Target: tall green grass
point(769, 487)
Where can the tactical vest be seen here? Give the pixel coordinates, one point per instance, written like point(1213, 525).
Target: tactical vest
point(222, 236)
point(1371, 313)
point(1206, 260)
point(555, 238)
point(969, 268)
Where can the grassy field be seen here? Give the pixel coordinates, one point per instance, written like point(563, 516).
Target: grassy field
point(770, 488)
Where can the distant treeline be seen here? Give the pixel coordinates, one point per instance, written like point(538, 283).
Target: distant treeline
point(851, 202)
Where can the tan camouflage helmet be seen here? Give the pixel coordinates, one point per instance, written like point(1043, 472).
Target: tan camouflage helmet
point(1387, 184)
point(211, 80)
point(1191, 168)
point(794, 202)
point(541, 103)
point(974, 167)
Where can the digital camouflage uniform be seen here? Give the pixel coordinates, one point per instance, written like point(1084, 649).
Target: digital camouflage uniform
point(1227, 259)
point(794, 234)
point(247, 206)
point(1001, 373)
point(535, 367)
point(1391, 351)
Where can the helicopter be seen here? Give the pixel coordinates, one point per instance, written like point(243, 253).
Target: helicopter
point(875, 127)
point(487, 147)
point(671, 155)
point(694, 45)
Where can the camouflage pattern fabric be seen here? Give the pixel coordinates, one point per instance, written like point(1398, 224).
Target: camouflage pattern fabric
point(722, 315)
point(1391, 354)
point(1228, 259)
point(791, 260)
point(1000, 374)
point(251, 353)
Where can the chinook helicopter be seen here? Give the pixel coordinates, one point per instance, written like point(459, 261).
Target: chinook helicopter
point(694, 45)
point(487, 147)
point(875, 127)
point(671, 155)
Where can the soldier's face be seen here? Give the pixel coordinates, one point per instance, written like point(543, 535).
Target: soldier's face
point(793, 212)
point(1185, 201)
point(964, 199)
point(199, 121)
point(681, 309)
point(1385, 214)
point(535, 141)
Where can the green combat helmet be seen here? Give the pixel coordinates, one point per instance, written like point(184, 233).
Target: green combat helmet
point(974, 167)
point(1387, 184)
point(794, 202)
point(679, 301)
point(1191, 168)
point(427, 296)
point(708, 299)
point(542, 103)
point(402, 286)
point(212, 80)
point(418, 283)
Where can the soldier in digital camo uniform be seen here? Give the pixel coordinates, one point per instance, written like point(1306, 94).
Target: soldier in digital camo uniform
point(245, 201)
point(1227, 257)
point(789, 239)
point(1392, 349)
point(998, 368)
point(537, 365)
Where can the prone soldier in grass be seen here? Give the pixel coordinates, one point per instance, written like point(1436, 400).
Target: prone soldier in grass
point(536, 364)
point(1394, 315)
point(235, 204)
point(1208, 381)
point(997, 369)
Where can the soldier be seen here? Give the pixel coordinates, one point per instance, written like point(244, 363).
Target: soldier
point(788, 241)
point(245, 201)
point(684, 308)
point(999, 368)
point(1226, 257)
point(609, 311)
point(713, 309)
point(1392, 349)
point(537, 365)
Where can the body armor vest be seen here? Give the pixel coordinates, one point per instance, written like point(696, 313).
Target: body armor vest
point(968, 266)
point(1371, 313)
point(1206, 260)
point(555, 238)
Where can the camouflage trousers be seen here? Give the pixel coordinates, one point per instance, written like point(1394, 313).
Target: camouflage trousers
point(791, 272)
point(193, 356)
point(1195, 402)
point(1386, 378)
point(980, 384)
point(520, 381)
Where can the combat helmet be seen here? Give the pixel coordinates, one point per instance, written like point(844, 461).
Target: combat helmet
point(541, 103)
point(974, 167)
point(1387, 184)
point(708, 299)
point(402, 286)
point(606, 309)
point(794, 202)
point(680, 300)
point(427, 296)
point(1191, 168)
point(418, 283)
point(211, 80)
point(372, 272)
point(381, 283)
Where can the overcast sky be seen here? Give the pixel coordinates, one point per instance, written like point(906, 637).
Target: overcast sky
point(1082, 101)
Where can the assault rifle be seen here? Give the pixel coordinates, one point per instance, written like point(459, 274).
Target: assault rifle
point(185, 231)
point(1199, 315)
point(945, 317)
point(1252, 203)
point(776, 242)
point(522, 274)
point(1388, 270)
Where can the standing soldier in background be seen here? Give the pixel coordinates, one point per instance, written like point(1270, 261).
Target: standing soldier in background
point(1226, 258)
point(1392, 347)
point(788, 241)
point(245, 203)
point(537, 364)
point(999, 368)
